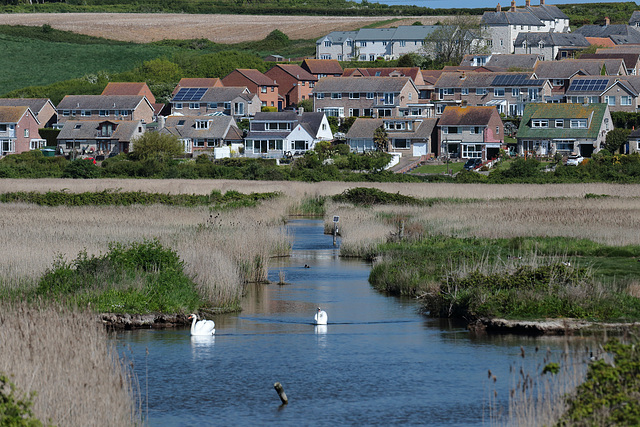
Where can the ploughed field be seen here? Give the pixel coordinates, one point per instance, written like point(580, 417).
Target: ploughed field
point(149, 27)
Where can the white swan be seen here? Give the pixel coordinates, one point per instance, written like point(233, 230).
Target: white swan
point(321, 317)
point(202, 327)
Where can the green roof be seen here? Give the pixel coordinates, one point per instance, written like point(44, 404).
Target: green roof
point(593, 112)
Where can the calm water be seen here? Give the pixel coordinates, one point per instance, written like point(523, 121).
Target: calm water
point(377, 362)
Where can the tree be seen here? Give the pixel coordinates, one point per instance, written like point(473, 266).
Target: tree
point(381, 139)
point(615, 139)
point(155, 145)
point(307, 104)
point(457, 36)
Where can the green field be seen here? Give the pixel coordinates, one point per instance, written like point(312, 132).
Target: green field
point(439, 169)
point(37, 63)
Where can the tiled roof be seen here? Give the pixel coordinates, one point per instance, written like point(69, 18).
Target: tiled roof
point(124, 88)
point(553, 39)
point(100, 102)
point(524, 61)
point(593, 112)
point(339, 37)
point(630, 59)
point(361, 84)
point(511, 18)
point(322, 66)
point(35, 104)
point(296, 71)
point(383, 72)
point(482, 80)
point(363, 128)
point(567, 68)
point(185, 126)
point(607, 30)
point(431, 76)
point(547, 12)
point(88, 129)
point(466, 116)
point(635, 17)
point(225, 94)
point(197, 82)
point(600, 41)
point(12, 114)
point(256, 77)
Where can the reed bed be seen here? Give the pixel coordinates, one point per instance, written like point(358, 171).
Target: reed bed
point(222, 250)
point(299, 189)
point(65, 358)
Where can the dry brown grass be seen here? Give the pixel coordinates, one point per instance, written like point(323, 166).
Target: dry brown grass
point(148, 27)
point(66, 359)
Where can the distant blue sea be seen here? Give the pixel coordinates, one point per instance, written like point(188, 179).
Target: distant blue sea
point(436, 4)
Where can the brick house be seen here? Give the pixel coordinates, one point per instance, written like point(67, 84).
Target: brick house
point(129, 88)
point(470, 133)
point(408, 136)
point(203, 133)
point(43, 109)
point(322, 67)
point(294, 83)
point(98, 137)
point(105, 107)
point(237, 102)
point(19, 130)
point(258, 83)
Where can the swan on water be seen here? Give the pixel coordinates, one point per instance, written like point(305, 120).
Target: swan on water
point(321, 317)
point(202, 327)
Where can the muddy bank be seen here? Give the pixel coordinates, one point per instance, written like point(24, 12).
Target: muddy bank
point(548, 327)
point(143, 321)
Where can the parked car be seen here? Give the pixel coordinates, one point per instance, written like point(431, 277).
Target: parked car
point(472, 164)
point(574, 160)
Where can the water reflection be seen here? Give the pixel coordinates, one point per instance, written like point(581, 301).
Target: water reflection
point(202, 341)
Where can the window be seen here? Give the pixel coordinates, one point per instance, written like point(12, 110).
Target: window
point(578, 123)
point(303, 83)
point(213, 105)
point(263, 89)
point(367, 112)
point(559, 123)
point(198, 142)
point(464, 91)
point(103, 113)
point(372, 57)
point(497, 130)
point(26, 133)
point(85, 113)
point(440, 108)
point(369, 95)
point(515, 92)
point(401, 143)
point(339, 57)
point(625, 100)
point(533, 93)
point(3, 127)
point(354, 95)
point(311, 84)
point(403, 43)
point(354, 112)
point(472, 151)
point(363, 57)
point(388, 98)
point(557, 82)
point(124, 112)
point(65, 113)
point(410, 96)
point(474, 130)
point(499, 92)
point(202, 124)
point(178, 106)
point(194, 105)
point(481, 91)
point(325, 56)
point(611, 100)
point(349, 42)
point(539, 123)
point(327, 43)
point(452, 130)
point(384, 43)
point(363, 44)
point(273, 88)
point(227, 106)
point(384, 112)
point(320, 95)
point(336, 95)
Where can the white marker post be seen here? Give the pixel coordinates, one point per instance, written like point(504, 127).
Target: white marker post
point(336, 218)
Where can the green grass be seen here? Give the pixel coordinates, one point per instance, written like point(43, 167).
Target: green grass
point(454, 167)
point(37, 63)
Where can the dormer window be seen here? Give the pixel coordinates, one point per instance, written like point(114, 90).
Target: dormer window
point(541, 44)
point(202, 124)
point(539, 123)
point(327, 43)
point(77, 126)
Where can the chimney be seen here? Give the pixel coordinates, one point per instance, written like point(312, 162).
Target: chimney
point(160, 122)
point(607, 21)
point(527, 3)
point(513, 6)
point(498, 8)
point(300, 111)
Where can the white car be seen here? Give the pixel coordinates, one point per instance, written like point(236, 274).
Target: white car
point(574, 160)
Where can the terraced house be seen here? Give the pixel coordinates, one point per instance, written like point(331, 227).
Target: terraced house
point(237, 102)
point(508, 92)
point(369, 97)
point(619, 93)
point(105, 107)
point(368, 44)
point(471, 133)
point(204, 133)
point(19, 130)
point(547, 129)
point(407, 136)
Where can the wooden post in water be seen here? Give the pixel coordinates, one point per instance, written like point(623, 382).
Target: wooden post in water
point(335, 229)
point(281, 393)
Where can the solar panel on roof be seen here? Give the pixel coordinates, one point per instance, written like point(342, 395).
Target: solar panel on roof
point(515, 80)
point(588, 85)
point(190, 94)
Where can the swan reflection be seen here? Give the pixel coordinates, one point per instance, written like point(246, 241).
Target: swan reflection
point(321, 329)
point(202, 340)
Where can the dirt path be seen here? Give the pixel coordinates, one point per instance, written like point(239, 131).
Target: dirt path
point(218, 28)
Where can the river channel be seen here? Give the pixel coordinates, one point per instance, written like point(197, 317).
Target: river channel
point(377, 362)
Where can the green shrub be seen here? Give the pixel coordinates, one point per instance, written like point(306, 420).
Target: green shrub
point(81, 169)
point(15, 410)
point(373, 196)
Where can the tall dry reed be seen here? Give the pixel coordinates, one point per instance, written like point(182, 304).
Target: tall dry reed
point(64, 356)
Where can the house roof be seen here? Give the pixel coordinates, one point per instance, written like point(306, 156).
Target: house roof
point(466, 116)
point(547, 12)
point(362, 84)
point(525, 61)
point(197, 82)
point(256, 77)
point(481, 80)
point(185, 126)
point(363, 128)
point(600, 41)
point(519, 17)
point(88, 129)
point(296, 71)
point(125, 88)
point(412, 72)
point(101, 102)
point(593, 112)
point(310, 121)
point(402, 32)
point(635, 17)
point(338, 37)
point(630, 59)
point(598, 85)
point(226, 94)
point(553, 39)
point(322, 66)
point(13, 114)
point(431, 76)
point(414, 32)
point(35, 104)
point(567, 68)
point(608, 31)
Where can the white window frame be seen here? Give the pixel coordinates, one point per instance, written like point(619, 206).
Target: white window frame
point(539, 123)
point(578, 123)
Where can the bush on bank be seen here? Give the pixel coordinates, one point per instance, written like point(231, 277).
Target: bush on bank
point(136, 278)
